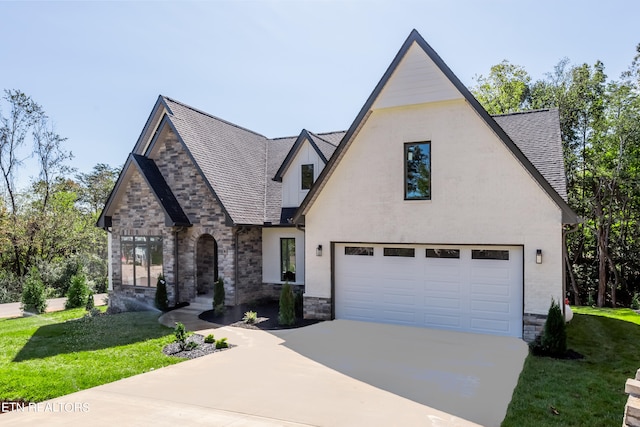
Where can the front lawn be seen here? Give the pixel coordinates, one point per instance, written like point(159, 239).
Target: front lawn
point(587, 392)
point(42, 357)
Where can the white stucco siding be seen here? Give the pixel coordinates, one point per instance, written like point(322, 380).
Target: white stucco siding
point(416, 80)
point(481, 194)
point(271, 253)
point(292, 192)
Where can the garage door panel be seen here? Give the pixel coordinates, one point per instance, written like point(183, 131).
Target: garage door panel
point(442, 302)
point(489, 289)
point(442, 320)
point(476, 295)
point(399, 316)
point(490, 307)
point(402, 299)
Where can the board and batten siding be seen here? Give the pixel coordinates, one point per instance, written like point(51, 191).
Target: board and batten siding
point(481, 195)
point(417, 80)
point(292, 192)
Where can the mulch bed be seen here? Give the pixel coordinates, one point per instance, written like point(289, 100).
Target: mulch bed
point(267, 317)
point(202, 349)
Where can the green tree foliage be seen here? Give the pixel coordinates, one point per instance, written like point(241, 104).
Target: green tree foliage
point(78, 291)
point(505, 90)
point(600, 124)
point(34, 298)
point(50, 223)
point(287, 313)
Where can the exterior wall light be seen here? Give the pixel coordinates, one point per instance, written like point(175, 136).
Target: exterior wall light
point(319, 250)
point(538, 256)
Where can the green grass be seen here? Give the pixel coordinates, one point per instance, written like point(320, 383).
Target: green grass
point(42, 357)
point(587, 392)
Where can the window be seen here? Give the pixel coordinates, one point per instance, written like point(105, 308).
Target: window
point(358, 250)
point(141, 260)
point(288, 259)
point(443, 253)
point(307, 176)
point(404, 252)
point(490, 254)
point(417, 169)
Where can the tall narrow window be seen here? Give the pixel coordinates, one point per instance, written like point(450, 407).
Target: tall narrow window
point(141, 260)
point(307, 176)
point(417, 169)
point(288, 259)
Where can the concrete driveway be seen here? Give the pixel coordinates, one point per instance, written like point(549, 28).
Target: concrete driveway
point(338, 373)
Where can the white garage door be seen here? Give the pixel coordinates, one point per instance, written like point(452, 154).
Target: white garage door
point(464, 288)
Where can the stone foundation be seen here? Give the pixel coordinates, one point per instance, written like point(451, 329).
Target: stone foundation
point(317, 308)
point(533, 325)
point(133, 299)
point(273, 290)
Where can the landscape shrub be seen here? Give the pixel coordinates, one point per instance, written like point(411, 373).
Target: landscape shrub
point(161, 301)
point(33, 293)
point(222, 343)
point(210, 339)
point(90, 303)
point(287, 315)
point(219, 310)
point(250, 317)
point(218, 293)
point(635, 301)
point(10, 287)
point(553, 341)
point(78, 290)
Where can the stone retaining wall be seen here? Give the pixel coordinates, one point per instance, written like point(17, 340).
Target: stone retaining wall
point(632, 408)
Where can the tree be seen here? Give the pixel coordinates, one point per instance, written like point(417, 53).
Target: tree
point(504, 90)
point(95, 187)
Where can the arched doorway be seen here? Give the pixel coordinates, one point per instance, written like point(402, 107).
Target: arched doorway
point(206, 264)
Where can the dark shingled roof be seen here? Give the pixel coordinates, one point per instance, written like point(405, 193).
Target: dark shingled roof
point(238, 163)
point(537, 135)
point(155, 180)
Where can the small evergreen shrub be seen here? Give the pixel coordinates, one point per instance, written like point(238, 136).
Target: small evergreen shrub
point(90, 303)
point(210, 339)
point(635, 301)
point(219, 310)
point(161, 301)
point(553, 341)
point(33, 293)
point(218, 293)
point(287, 315)
point(222, 343)
point(77, 295)
point(181, 335)
point(250, 317)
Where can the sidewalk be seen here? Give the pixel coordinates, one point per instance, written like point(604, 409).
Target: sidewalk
point(12, 309)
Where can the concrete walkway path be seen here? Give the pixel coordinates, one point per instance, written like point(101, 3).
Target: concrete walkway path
point(12, 309)
point(338, 373)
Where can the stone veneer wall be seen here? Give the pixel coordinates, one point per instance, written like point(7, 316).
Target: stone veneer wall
point(139, 214)
point(204, 212)
point(317, 308)
point(533, 325)
point(273, 290)
point(249, 264)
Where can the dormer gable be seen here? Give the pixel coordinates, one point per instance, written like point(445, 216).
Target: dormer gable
point(302, 166)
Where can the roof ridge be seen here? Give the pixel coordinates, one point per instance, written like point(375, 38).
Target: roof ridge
point(204, 113)
point(322, 139)
point(314, 133)
point(538, 110)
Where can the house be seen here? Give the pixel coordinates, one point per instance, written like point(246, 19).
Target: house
point(427, 211)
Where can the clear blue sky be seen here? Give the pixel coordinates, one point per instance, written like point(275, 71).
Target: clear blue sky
point(274, 67)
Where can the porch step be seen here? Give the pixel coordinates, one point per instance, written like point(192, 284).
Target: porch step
point(202, 302)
